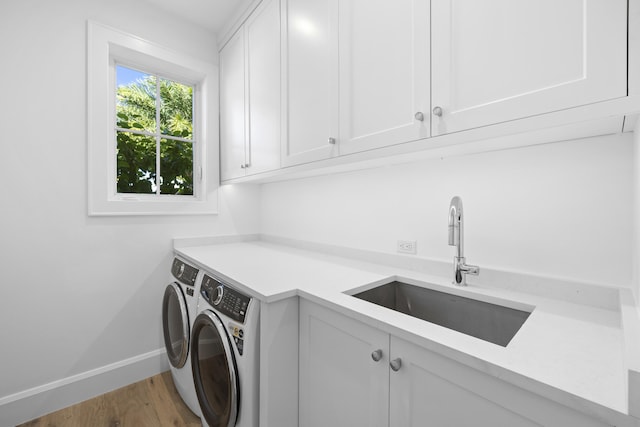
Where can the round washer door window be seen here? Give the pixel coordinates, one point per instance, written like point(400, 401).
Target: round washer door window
point(175, 323)
point(214, 371)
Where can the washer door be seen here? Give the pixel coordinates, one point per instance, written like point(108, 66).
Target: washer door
point(215, 373)
point(175, 323)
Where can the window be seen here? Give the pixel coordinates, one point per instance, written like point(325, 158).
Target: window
point(152, 128)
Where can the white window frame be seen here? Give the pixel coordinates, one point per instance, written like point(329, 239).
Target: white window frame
point(107, 46)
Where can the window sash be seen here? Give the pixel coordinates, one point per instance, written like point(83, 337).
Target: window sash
point(157, 134)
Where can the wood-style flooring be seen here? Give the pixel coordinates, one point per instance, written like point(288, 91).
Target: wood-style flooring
point(153, 402)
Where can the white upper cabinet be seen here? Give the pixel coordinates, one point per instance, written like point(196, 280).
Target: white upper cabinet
point(309, 80)
point(263, 58)
point(232, 108)
point(500, 60)
point(250, 95)
point(311, 74)
point(384, 73)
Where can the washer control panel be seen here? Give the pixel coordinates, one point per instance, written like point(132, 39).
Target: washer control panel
point(184, 272)
point(225, 299)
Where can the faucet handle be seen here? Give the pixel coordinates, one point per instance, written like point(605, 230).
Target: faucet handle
point(474, 270)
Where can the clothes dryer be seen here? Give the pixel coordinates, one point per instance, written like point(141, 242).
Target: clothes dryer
point(179, 307)
point(225, 355)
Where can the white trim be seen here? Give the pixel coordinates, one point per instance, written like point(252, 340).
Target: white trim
point(105, 47)
point(37, 401)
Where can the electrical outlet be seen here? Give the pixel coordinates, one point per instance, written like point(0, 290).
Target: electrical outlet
point(407, 246)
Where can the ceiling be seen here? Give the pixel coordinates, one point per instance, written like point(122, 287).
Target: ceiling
point(214, 15)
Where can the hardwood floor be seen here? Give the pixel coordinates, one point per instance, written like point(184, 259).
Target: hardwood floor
point(153, 402)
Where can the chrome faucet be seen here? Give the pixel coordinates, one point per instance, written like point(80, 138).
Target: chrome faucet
point(456, 238)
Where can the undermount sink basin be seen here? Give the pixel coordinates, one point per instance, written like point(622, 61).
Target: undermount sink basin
point(490, 322)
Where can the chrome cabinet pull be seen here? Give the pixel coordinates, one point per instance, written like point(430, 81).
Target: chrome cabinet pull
point(376, 355)
point(396, 364)
point(332, 140)
point(437, 111)
point(419, 116)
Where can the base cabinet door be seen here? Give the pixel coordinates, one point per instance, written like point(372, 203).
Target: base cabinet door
point(432, 390)
point(500, 60)
point(340, 382)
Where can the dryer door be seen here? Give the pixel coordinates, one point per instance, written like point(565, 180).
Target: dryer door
point(175, 323)
point(215, 372)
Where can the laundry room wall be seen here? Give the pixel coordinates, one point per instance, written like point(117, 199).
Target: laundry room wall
point(80, 296)
point(559, 210)
point(636, 215)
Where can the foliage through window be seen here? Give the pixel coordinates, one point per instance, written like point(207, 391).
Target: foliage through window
point(154, 134)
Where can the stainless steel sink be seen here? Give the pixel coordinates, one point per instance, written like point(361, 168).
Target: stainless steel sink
point(490, 322)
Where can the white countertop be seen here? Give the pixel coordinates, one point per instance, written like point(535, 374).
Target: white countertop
point(571, 353)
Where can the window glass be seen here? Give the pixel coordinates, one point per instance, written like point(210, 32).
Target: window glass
point(176, 166)
point(154, 131)
point(176, 112)
point(135, 100)
point(136, 163)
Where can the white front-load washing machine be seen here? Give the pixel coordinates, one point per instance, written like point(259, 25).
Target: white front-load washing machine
point(225, 355)
point(179, 307)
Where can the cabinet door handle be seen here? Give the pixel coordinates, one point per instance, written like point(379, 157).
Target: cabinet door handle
point(437, 111)
point(419, 116)
point(242, 166)
point(396, 364)
point(332, 140)
point(376, 355)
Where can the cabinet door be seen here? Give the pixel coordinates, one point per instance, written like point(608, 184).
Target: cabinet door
point(311, 73)
point(340, 383)
point(263, 60)
point(431, 390)
point(499, 60)
point(232, 108)
point(384, 73)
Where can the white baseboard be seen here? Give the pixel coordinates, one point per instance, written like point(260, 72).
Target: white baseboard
point(41, 400)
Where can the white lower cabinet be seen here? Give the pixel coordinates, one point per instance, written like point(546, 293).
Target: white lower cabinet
point(341, 383)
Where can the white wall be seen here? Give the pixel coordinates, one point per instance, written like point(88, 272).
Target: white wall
point(561, 210)
point(636, 213)
point(78, 292)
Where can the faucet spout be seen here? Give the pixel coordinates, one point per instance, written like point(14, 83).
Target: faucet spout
point(456, 238)
point(455, 225)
